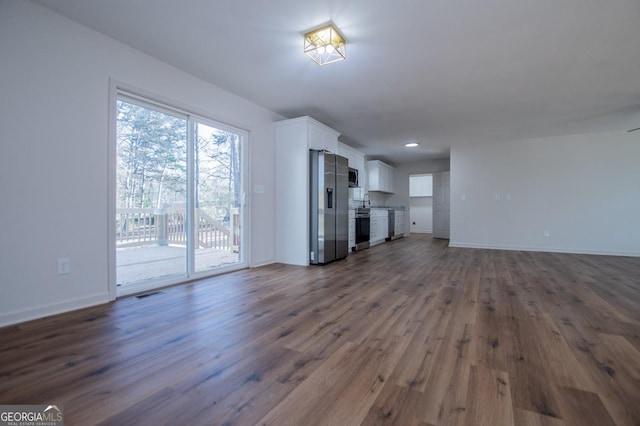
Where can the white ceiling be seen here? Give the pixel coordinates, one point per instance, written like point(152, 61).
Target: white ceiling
point(439, 72)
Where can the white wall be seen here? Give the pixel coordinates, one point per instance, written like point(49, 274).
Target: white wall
point(583, 189)
point(421, 215)
point(400, 197)
point(54, 85)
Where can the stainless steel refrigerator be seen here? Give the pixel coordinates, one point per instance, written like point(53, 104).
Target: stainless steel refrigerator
point(329, 207)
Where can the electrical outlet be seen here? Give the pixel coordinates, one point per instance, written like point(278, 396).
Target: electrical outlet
point(497, 197)
point(508, 197)
point(63, 266)
point(546, 233)
point(463, 197)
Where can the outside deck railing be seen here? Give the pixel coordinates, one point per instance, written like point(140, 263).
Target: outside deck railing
point(137, 227)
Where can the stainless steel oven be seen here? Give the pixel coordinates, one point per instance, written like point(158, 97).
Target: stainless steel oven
point(363, 227)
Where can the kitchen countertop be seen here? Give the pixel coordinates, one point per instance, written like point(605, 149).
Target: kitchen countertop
point(356, 206)
point(389, 207)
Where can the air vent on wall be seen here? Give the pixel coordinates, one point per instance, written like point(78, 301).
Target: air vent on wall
point(142, 296)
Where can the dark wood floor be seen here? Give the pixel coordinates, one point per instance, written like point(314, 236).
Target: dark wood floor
point(411, 332)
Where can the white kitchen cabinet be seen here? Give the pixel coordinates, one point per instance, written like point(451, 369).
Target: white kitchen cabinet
point(320, 138)
point(380, 176)
point(420, 186)
point(384, 226)
point(400, 223)
point(352, 229)
point(373, 230)
point(294, 138)
point(356, 161)
point(379, 226)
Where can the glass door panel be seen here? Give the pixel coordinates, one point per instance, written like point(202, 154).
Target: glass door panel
point(151, 194)
point(218, 197)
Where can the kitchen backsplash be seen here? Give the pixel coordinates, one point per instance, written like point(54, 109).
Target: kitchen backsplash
point(378, 199)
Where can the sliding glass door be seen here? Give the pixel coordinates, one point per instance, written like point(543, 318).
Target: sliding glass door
point(218, 196)
point(179, 194)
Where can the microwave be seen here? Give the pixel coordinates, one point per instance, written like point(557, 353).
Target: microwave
point(353, 178)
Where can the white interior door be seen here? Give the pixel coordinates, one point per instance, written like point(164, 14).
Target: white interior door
point(441, 205)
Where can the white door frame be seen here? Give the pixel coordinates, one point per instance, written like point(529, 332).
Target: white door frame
point(115, 89)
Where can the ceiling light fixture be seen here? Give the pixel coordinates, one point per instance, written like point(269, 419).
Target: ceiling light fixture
point(411, 144)
point(325, 45)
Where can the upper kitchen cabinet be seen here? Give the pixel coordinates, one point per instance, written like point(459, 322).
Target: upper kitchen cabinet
point(381, 176)
point(420, 186)
point(322, 137)
point(356, 161)
point(294, 139)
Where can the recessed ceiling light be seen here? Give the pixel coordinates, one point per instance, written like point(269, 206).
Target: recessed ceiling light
point(411, 144)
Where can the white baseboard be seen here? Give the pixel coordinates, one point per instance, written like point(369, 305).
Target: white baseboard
point(262, 263)
point(16, 317)
point(542, 249)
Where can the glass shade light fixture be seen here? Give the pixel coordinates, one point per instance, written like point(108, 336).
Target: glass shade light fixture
point(411, 144)
point(325, 45)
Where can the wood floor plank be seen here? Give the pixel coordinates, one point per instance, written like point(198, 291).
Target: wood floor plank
point(531, 377)
point(359, 372)
point(582, 408)
point(410, 332)
point(397, 406)
point(561, 364)
point(529, 418)
point(414, 367)
point(447, 386)
point(489, 398)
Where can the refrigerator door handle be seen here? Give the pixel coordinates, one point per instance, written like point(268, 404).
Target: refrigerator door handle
point(329, 198)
